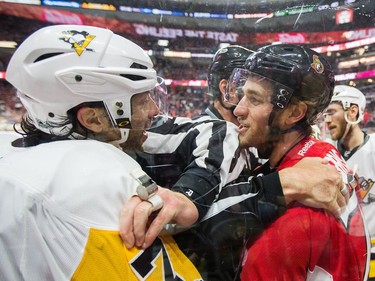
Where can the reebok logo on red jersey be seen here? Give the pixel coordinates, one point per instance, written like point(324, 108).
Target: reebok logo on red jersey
point(306, 147)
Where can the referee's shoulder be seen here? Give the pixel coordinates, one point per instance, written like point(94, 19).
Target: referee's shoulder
point(178, 125)
point(198, 122)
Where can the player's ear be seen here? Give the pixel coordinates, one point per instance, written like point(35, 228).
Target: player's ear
point(90, 118)
point(222, 85)
point(353, 112)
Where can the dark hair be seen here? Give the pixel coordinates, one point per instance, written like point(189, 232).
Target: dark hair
point(32, 136)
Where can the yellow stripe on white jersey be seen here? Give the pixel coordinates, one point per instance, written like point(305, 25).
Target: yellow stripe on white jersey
point(106, 258)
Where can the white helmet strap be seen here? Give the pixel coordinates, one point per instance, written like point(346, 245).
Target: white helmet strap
point(123, 138)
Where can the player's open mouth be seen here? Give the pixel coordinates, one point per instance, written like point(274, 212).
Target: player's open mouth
point(331, 128)
point(242, 128)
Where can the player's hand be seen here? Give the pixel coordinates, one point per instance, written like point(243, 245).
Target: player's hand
point(139, 225)
point(314, 183)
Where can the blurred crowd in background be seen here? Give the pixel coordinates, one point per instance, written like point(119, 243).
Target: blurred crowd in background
point(185, 99)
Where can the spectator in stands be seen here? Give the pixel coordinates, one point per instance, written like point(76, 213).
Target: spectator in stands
point(367, 116)
point(343, 118)
point(370, 126)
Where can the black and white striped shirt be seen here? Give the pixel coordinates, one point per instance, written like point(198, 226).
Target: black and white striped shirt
point(196, 158)
point(199, 158)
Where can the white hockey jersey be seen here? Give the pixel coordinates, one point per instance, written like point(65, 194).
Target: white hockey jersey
point(59, 213)
point(364, 158)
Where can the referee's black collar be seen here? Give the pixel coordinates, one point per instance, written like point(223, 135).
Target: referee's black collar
point(213, 113)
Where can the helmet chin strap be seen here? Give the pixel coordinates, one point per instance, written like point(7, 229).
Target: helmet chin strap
point(277, 131)
point(347, 129)
point(229, 108)
point(348, 125)
point(274, 130)
point(124, 137)
point(348, 121)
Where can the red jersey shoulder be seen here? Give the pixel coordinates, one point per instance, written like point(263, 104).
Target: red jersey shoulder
point(311, 147)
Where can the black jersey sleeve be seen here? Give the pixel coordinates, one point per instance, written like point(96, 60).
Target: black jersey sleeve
point(238, 216)
point(260, 196)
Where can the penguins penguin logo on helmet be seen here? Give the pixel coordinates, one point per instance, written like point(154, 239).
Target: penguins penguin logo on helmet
point(78, 40)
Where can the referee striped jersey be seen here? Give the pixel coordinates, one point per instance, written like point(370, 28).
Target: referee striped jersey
point(196, 158)
point(253, 159)
point(201, 158)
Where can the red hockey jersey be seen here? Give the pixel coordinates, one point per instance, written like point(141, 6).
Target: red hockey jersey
point(307, 243)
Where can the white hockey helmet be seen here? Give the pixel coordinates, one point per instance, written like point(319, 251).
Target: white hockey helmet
point(59, 67)
point(347, 96)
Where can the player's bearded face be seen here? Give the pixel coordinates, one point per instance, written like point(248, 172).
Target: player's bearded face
point(335, 121)
point(253, 111)
point(144, 110)
point(135, 141)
